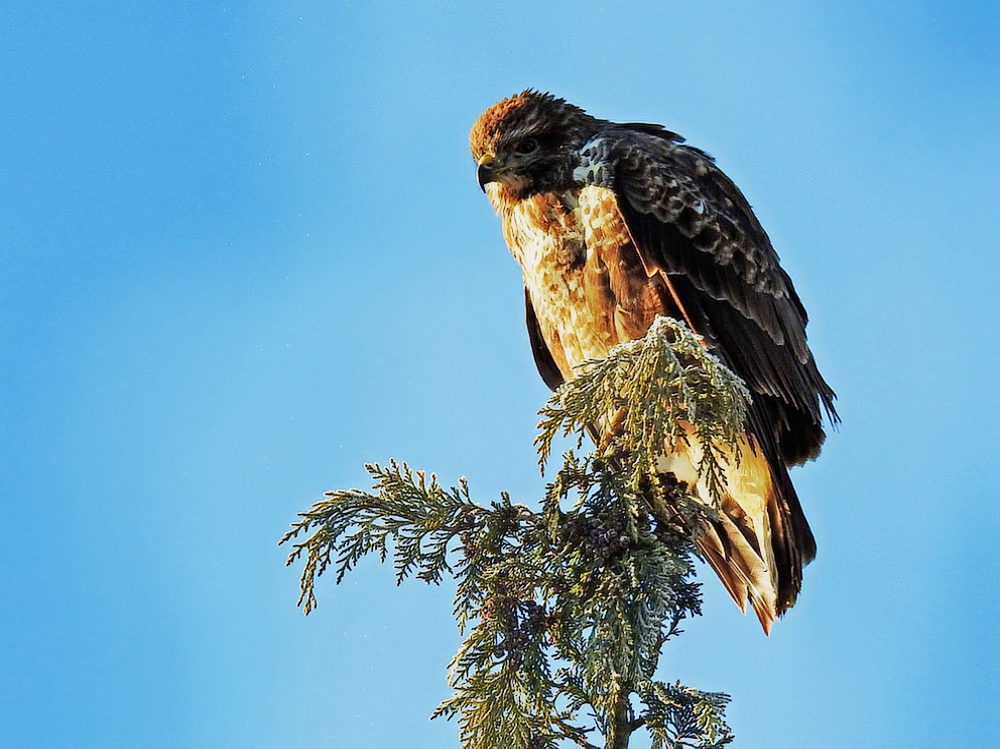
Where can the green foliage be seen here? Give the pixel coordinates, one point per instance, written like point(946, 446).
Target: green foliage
point(564, 610)
point(641, 397)
point(685, 717)
point(418, 515)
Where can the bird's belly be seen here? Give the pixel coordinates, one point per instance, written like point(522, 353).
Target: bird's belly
point(574, 328)
point(574, 332)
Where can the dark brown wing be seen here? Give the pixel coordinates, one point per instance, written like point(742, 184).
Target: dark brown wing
point(547, 366)
point(690, 221)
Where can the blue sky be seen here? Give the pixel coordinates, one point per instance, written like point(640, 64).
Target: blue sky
point(243, 252)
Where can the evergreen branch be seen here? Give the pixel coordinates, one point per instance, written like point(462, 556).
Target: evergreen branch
point(418, 515)
point(679, 717)
point(647, 396)
point(564, 611)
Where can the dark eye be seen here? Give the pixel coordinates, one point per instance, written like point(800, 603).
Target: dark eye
point(526, 147)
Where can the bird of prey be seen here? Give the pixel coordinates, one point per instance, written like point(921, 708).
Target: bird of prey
point(614, 224)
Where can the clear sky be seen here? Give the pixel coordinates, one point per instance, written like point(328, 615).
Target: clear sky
point(243, 251)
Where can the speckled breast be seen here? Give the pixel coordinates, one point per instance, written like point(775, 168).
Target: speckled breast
point(547, 238)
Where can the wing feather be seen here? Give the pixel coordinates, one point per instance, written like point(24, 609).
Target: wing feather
point(693, 224)
point(544, 360)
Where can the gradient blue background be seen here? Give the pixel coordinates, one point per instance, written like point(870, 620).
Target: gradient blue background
point(242, 252)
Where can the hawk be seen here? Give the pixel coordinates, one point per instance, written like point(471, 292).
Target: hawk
point(614, 224)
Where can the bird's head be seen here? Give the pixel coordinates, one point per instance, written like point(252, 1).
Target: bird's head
point(527, 144)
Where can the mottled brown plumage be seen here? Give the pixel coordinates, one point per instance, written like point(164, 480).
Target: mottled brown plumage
point(613, 224)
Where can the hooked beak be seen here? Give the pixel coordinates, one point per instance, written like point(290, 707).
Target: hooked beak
point(484, 172)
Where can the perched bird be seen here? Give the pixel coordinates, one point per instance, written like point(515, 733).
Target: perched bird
point(614, 224)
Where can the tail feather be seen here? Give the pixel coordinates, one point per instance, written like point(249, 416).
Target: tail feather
point(740, 569)
point(757, 539)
